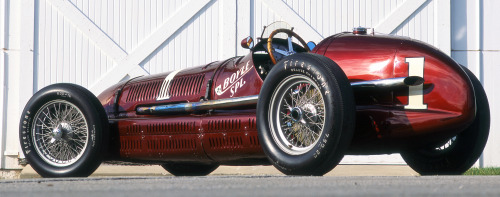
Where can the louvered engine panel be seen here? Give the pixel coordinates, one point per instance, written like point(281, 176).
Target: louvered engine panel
point(224, 125)
point(161, 128)
point(144, 91)
point(223, 142)
point(170, 144)
point(231, 136)
point(186, 85)
point(172, 139)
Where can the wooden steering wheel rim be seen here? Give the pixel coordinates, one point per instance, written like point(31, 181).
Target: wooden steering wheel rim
point(290, 34)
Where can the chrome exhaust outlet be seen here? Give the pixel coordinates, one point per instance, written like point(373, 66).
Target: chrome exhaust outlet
point(387, 84)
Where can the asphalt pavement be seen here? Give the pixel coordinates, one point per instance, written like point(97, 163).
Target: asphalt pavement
point(251, 185)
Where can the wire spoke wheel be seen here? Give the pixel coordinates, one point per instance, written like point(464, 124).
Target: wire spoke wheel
point(64, 131)
point(299, 109)
point(60, 133)
point(305, 115)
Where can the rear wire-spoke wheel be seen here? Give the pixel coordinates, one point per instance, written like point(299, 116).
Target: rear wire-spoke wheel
point(64, 131)
point(299, 109)
point(60, 133)
point(305, 115)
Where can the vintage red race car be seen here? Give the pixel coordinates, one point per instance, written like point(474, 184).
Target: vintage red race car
point(288, 103)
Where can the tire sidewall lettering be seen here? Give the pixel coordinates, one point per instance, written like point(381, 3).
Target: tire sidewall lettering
point(25, 137)
point(301, 67)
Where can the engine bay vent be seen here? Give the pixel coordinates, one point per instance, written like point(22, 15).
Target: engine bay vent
point(254, 141)
point(186, 85)
point(144, 91)
point(171, 128)
point(168, 128)
point(133, 130)
point(226, 142)
point(251, 123)
point(166, 143)
point(130, 144)
point(224, 125)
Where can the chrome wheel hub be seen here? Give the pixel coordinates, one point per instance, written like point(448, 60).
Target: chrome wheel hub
point(296, 115)
point(62, 132)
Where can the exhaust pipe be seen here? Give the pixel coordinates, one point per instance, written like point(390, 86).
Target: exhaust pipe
point(198, 106)
point(387, 84)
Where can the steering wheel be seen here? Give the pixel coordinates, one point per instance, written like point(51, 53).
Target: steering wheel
point(288, 51)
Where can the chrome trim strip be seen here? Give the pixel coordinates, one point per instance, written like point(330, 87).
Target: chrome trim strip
point(165, 86)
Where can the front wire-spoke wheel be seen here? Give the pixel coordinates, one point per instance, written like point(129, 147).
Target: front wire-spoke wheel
point(64, 131)
point(298, 110)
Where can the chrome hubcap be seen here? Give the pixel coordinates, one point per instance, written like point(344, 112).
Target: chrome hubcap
point(62, 132)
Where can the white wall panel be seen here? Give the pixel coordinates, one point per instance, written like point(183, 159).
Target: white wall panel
point(194, 44)
point(331, 17)
point(490, 80)
point(65, 54)
point(475, 29)
point(421, 24)
point(491, 25)
point(128, 22)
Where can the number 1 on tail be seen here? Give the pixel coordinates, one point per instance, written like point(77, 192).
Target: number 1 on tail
point(416, 93)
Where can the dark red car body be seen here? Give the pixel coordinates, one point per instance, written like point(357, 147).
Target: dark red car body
point(229, 136)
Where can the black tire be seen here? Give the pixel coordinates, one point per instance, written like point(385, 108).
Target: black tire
point(312, 146)
point(64, 131)
point(189, 169)
point(461, 152)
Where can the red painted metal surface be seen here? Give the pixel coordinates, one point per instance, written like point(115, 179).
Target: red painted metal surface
point(219, 136)
point(447, 90)
point(230, 135)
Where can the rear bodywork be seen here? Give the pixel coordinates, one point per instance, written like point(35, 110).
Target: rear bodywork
point(388, 119)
